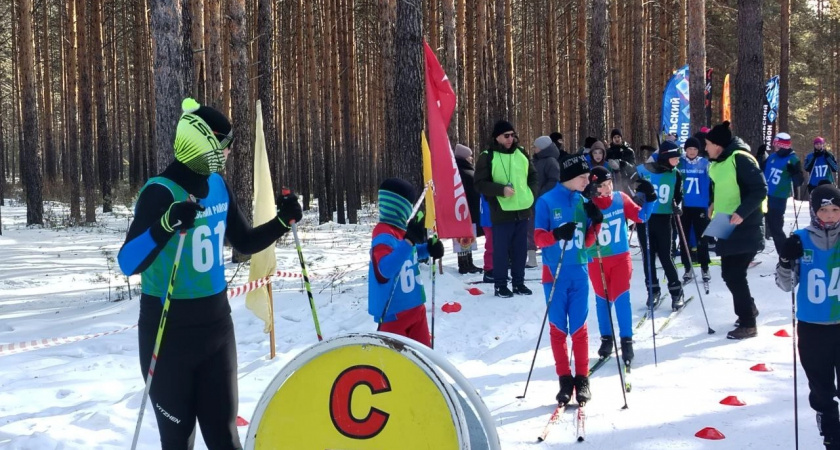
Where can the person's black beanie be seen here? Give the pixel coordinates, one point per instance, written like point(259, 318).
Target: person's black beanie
point(589, 141)
point(720, 134)
point(501, 127)
point(692, 142)
point(400, 187)
point(555, 136)
point(824, 195)
point(615, 132)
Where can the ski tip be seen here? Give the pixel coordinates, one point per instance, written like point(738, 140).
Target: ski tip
point(540, 439)
point(580, 439)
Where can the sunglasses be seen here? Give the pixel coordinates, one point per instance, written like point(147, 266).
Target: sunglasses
point(226, 140)
point(509, 135)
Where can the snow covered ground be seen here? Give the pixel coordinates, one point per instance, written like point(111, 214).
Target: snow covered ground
point(63, 282)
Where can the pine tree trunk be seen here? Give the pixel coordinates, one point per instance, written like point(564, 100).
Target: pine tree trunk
point(784, 67)
point(50, 161)
point(697, 63)
point(615, 69)
point(597, 85)
point(242, 179)
point(450, 62)
point(188, 65)
point(212, 47)
point(749, 78)
point(31, 161)
point(637, 114)
point(86, 123)
point(103, 145)
point(408, 91)
point(198, 51)
point(265, 77)
point(349, 115)
point(71, 124)
point(583, 107)
point(503, 85)
point(169, 76)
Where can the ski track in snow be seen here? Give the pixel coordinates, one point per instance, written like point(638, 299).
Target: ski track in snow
point(84, 395)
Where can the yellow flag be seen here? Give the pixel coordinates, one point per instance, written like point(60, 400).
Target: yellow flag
point(265, 262)
point(427, 178)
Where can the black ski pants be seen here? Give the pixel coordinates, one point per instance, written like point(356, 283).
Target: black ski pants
point(660, 247)
point(776, 224)
point(194, 379)
point(694, 221)
point(733, 270)
point(819, 351)
point(510, 250)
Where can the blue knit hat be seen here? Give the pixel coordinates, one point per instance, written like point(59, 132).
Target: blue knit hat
point(396, 199)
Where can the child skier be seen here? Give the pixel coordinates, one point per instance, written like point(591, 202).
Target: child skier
point(820, 164)
point(667, 182)
point(696, 186)
point(614, 251)
point(396, 298)
point(783, 171)
point(810, 256)
point(561, 218)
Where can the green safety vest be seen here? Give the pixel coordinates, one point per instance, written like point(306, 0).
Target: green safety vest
point(727, 197)
point(512, 169)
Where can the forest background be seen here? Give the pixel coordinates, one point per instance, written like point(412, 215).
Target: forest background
point(90, 90)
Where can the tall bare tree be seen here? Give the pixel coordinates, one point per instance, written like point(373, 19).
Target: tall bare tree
point(243, 161)
point(50, 159)
point(749, 78)
point(169, 76)
point(597, 68)
point(71, 156)
point(637, 116)
point(697, 63)
point(103, 144)
point(784, 66)
point(408, 91)
point(31, 151)
point(86, 123)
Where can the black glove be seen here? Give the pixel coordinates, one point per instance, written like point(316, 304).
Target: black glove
point(289, 209)
point(416, 231)
point(677, 210)
point(435, 248)
point(646, 188)
point(591, 190)
point(792, 248)
point(180, 216)
point(564, 232)
point(792, 170)
point(593, 212)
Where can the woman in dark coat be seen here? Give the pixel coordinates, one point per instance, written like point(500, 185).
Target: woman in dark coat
point(464, 160)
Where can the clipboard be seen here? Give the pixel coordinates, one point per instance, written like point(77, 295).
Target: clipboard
point(719, 227)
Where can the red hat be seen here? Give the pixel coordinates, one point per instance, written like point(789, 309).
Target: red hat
point(819, 140)
point(704, 129)
point(782, 140)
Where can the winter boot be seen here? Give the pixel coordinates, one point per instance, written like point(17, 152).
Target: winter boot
point(742, 333)
point(567, 386)
point(606, 346)
point(471, 266)
point(627, 349)
point(503, 291)
point(521, 289)
point(488, 277)
point(755, 314)
point(582, 394)
point(532, 260)
point(654, 297)
point(706, 275)
point(463, 264)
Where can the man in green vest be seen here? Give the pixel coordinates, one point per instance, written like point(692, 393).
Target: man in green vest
point(738, 190)
point(508, 180)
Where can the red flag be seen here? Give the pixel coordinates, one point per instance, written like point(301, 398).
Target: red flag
point(451, 208)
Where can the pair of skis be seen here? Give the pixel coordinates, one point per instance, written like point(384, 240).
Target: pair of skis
point(557, 417)
point(670, 317)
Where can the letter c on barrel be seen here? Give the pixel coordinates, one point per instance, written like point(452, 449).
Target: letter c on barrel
point(341, 398)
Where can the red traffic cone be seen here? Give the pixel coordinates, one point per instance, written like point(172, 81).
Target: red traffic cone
point(710, 433)
point(732, 401)
point(782, 333)
point(761, 368)
point(240, 422)
point(451, 307)
point(475, 291)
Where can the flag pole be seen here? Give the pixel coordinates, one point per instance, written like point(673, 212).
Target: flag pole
point(273, 352)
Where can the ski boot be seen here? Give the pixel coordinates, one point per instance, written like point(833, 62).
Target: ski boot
point(582, 394)
point(627, 350)
point(567, 386)
point(677, 297)
point(488, 277)
point(687, 277)
point(606, 346)
point(706, 275)
point(654, 298)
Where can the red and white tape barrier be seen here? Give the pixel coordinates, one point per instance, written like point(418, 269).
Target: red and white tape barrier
point(20, 347)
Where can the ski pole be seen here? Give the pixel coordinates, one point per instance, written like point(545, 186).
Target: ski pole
point(795, 211)
point(545, 316)
point(394, 288)
point(612, 326)
point(650, 285)
point(795, 386)
point(293, 223)
point(434, 263)
point(691, 264)
point(159, 337)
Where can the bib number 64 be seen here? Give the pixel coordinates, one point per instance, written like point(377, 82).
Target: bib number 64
point(817, 288)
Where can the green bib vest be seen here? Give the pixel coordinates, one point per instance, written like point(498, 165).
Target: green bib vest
point(512, 170)
point(723, 174)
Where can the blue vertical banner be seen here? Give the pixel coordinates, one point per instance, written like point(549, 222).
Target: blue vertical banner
point(770, 110)
point(676, 116)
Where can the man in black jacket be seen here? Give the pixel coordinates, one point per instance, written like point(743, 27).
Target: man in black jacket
point(506, 177)
point(622, 160)
point(464, 160)
point(739, 190)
